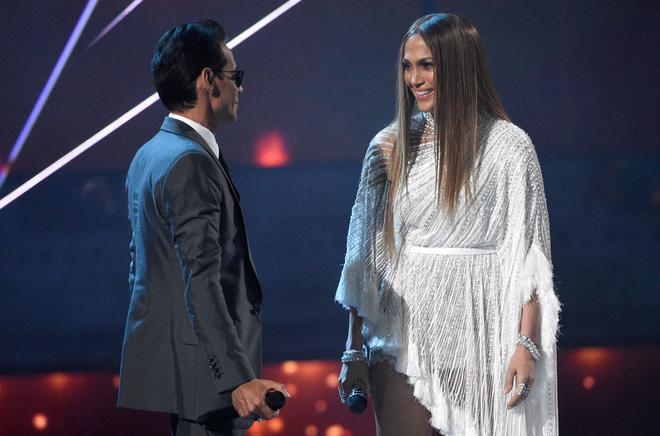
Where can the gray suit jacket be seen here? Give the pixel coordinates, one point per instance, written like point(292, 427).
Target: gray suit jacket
point(193, 331)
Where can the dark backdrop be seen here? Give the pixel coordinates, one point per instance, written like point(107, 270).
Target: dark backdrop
point(579, 77)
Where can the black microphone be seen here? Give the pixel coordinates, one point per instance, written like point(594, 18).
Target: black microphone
point(357, 400)
point(275, 400)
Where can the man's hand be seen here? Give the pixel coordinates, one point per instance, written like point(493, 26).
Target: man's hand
point(522, 366)
point(249, 398)
point(353, 374)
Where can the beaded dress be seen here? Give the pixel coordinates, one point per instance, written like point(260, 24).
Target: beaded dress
point(447, 312)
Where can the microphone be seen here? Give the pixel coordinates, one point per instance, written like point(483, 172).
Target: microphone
point(274, 399)
point(357, 400)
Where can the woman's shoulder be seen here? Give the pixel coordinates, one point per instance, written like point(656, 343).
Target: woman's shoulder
point(385, 139)
point(509, 138)
point(387, 135)
point(383, 142)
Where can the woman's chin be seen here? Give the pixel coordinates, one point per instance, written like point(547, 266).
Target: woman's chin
point(425, 105)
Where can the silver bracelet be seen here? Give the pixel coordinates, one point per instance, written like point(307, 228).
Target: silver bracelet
point(353, 356)
point(530, 346)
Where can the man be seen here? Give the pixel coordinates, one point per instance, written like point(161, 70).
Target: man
point(192, 346)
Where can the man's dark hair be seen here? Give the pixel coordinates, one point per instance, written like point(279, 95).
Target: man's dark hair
point(181, 55)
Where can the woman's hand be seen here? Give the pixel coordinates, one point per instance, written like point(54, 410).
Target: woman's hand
point(353, 375)
point(522, 366)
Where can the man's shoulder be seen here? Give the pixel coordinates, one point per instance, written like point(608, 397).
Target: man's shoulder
point(156, 157)
point(167, 143)
point(167, 147)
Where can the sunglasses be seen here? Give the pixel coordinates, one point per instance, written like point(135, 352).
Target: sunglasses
point(236, 76)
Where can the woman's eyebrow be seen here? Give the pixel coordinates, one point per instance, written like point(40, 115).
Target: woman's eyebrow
point(419, 61)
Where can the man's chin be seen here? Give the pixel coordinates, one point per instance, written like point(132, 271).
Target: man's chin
point(227, 119)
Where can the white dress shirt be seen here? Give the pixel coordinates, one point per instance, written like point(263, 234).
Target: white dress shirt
point(205, 133)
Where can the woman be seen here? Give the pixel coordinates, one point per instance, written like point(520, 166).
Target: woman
point(448, 276)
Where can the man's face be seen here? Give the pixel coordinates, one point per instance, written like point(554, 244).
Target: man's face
point(225, 107)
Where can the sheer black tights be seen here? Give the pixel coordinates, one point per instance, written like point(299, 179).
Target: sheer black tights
point(397, 411)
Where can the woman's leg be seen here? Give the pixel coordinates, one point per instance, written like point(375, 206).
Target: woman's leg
point(397, 411)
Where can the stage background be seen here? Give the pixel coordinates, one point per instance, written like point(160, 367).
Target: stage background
point(580, 77)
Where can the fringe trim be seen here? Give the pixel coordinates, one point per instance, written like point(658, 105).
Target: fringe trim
point(351, 294)
point(536, 279)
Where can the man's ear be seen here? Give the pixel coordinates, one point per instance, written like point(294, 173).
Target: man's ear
point(208, 74)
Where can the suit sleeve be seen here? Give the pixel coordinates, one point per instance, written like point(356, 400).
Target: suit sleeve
point(192, 200)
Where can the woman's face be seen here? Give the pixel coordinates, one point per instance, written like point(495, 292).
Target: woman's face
point(419, 72)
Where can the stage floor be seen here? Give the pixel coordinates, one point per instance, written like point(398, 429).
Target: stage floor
point(602, 391)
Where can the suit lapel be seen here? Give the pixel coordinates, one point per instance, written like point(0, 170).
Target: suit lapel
point(225, 167)
point(180, 128)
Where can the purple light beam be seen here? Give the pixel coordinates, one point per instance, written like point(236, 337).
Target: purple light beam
point(132, 113)
point(123, 14)
point(45, 93)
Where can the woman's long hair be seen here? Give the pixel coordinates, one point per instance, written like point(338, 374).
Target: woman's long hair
point(463, 90)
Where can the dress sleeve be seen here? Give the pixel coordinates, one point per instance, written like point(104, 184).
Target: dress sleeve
point(365, 247)
point(536, 272)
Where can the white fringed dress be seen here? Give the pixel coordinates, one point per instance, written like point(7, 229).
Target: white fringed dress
point(447, 314)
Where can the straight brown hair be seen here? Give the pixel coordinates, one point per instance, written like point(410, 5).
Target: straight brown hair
point(463, 91)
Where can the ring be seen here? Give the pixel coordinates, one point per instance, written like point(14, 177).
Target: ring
point(523, 390)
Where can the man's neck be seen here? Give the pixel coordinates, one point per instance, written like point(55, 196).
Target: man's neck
point(197, 115)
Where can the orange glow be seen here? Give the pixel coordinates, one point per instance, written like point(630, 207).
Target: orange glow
point(320, 406)
point(292, 389)
point(40, 421)
point(276, 425)
point(257, 429)
point(58, 380)
point(592, 356)
point(290, 367)
point(270, 151)
point(313, 369)
point(334, 430)
point(331, 380)
point(311, 430)
point(588, 382)
point(591, 378)
point(115, 381)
